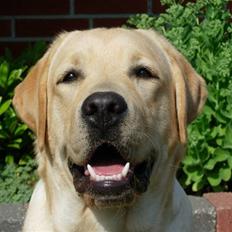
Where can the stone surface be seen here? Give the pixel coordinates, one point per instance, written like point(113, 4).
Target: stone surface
point(204, 215)
point(11, 217)
point(223, 204)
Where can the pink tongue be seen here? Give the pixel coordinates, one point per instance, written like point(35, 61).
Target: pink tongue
point(108, 170)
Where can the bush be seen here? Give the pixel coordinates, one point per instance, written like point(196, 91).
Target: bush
point(202, 31)
point(17, 180)
point(17, 169)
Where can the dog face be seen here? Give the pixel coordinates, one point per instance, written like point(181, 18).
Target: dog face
point(110, 109)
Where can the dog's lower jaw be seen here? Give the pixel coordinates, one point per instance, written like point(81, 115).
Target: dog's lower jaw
point(112, 202)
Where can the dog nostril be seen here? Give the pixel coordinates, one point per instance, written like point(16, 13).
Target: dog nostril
point(90, 109)
point(116, 108)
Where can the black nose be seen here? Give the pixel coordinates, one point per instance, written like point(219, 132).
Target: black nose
point(103, 110)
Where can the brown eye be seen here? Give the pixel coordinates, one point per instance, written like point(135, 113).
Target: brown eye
point(70, 77)
point(143, 72)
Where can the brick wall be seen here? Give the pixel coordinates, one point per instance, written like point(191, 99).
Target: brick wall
point(23, 21)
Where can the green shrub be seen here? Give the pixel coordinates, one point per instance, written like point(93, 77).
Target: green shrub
point(17, 180)
point(14, 135)
point(17, 169)
point(202, 31)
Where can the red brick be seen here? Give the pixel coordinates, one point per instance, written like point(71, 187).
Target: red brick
point(110, 6)
point(47, 27)
point(15, 47)
point(230, 6)
point(5, 28)
point(223, 205)
point(109, 22)
point(157, 7)
point(37, 7)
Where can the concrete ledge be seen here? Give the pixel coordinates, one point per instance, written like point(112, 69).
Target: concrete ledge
point(211, 213)
point(204, 215)
point(11, 217)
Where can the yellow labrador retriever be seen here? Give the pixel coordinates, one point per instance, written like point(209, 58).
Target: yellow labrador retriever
point(110, 108)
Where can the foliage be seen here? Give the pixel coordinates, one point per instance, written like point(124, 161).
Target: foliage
point(16, 166)
point(202, 31)
point(14, 135)
point(16, 180)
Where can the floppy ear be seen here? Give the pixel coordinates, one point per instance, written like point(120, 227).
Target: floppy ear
point(189, 87)
point(30, 99)
point(190, 93)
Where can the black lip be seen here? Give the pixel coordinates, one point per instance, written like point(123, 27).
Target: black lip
point(135, 182)
point(111, 187)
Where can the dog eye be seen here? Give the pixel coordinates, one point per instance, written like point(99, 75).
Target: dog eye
point(143, 72)
point(70, 77)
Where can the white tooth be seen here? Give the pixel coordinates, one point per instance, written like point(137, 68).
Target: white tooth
point(114, 177)
point(125, 169)
point(102, 178)
point(98, 178)
point(119, 176)
point(91, 171)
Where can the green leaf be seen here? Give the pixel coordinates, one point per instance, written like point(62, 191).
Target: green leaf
point(227, 143)
point(209, 112)
point(198, 185)
point(210, 164)
point(9, 159)
point(214, 179)
point(189, 160)
point(188, 181)
point(221, 155)
point(194, 172)
point(20, 129)
point(4, 71)
point(225, 173)
point(4, 107)
point(14, 145)
point(15, 75)
point(230, 162)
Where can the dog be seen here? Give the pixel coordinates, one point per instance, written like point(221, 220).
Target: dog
point(110, 108)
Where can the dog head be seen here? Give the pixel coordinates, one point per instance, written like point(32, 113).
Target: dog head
point(110, 109)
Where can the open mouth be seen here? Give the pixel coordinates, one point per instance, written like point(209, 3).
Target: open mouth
point(108, 178)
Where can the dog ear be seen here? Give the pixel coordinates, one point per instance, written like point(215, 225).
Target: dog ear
point(190, 93)
point(189, 87)
point(30, 99)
